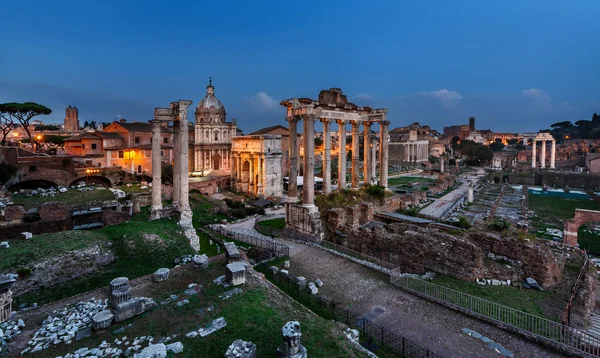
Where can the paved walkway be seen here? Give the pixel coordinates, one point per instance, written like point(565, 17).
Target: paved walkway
point(369, 292)
point(441, 206)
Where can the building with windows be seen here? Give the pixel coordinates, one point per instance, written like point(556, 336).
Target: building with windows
point(212, 136)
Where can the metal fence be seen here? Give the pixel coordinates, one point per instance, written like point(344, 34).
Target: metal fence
point(373, 336)
point(279, 250)
point(357, 255)
point(542, 328)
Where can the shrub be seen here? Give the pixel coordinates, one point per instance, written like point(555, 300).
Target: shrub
point(238, 213)
point(499, 224)
point(376, 191)
point(463, 223)
point(23, 272)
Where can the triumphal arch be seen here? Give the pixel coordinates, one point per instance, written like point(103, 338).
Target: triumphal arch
point(331, 107)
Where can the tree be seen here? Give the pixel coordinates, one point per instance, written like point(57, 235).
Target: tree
point(318, 141)
point(564, 125)
point(6, 125)
point(512, 141)
point(86, 124)
point(23, 112)
point(497, 146)
point(498, 140)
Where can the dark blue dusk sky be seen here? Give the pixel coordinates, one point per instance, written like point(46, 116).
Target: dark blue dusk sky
point(515, 65)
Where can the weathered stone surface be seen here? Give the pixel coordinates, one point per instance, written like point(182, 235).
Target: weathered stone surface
point(241, 349)
point(291, 347)
point(313, 288)
point(118, 282)
point(133, 307)
point(531, 283)
point(54, 210)
point(176, 347)
point(27, 235)
point(301, 281)
point(102, 320)
point(153, 351)
point(235, 273)
point(286, 264)
point(84, 333)
point(318, 282)
point(201, 261)
point(231, 252)
point(120, 295)
point(161, 274)
point(14, 212)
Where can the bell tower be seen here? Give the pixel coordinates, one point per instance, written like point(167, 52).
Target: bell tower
point(71, 119)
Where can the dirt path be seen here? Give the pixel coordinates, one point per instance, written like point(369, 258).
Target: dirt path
point(427, 324)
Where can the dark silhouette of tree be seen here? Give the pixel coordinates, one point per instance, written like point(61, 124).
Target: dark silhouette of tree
point(564, 125)
point(6, 125)
point(24, 112)
point(497, 146)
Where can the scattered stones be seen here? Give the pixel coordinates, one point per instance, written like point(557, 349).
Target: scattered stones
point(241, 349)
point(286, 265)
point(496, 283)
point(235, 273)
point(161, 274)
point(192, 334)
point(221, 281)
point(4, 245)
point(201, 261)
point(102, 320)
point(291, 347)
point(63, 324)
point(84, 333)
point(183, 302)
point(230, 293)
point(319, 283)
point(284, 272)
point(274, 270)
point(176, 347)
point(301, 281)
point(27, 235)
point(9, 330)
point(313, 288)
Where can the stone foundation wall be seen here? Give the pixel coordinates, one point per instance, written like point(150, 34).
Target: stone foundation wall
point(14, 213)
point(36, 228)
point(54, 210)
point(114, 217)
point(303, 219)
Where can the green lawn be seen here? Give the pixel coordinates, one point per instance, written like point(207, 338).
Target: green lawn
point(517, 298)
point(274, 223)
point(71, 197)
point(409, 181)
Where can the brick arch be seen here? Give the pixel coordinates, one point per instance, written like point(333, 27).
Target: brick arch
point(94, 179)
point(580, 217)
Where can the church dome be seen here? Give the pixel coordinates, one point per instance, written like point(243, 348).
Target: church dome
point(209, 101)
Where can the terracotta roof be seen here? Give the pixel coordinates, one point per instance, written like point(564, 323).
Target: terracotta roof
point(81, 136)
point(139, 146)
point(141, 127)
point(109, 135)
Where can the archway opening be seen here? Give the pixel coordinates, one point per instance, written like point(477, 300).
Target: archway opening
point(246, 172)
point(93, 180)
point(33, 184)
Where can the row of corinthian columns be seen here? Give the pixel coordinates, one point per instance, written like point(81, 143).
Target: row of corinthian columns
point(543, 154)
point(370, 161)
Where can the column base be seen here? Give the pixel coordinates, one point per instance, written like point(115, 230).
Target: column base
point(156, 213)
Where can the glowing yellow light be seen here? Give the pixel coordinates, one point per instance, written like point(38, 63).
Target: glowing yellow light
point(39, 137)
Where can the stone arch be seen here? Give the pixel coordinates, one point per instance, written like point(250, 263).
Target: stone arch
point(580, 217)
point(246, 172)
point(93, 179)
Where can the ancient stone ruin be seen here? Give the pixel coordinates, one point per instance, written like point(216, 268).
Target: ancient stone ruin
point(241, 349)
point(291, 347)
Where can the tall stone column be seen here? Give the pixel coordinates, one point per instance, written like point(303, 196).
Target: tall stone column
point(342, 155)
point(553, 155)
point(156, 172)
point(176, 165)
point(326, 156)
point(355, 154)
point(367, 153)
point(293, 177)
point(543, 155)
point(251, 183)
point(533, 154)
point(442, 159)
point(373, 158)
point(184, 198)
point(383, 153)
point(308, 192)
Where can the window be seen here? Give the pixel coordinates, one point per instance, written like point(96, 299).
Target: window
point(166, 140)
point(93, 145)
point(121, 154)
point(139, 169)
point(162, 153)
point(99, 164)
point(82, 145)
point(216, 136)
point(207, 135)
point(137, 140)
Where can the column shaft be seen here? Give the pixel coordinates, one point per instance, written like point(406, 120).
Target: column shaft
point(326, 156)
point(543, 155)
point(293, 177)
point(373, 159)
point(533, 154)
point(251, 183)
point(156, 167)
point(383, 153)
point(367, 153)
point(308, 193)
point(355, 154)
point(184, 199)
point(342, 155)
point(553, 155)
point(176, 161)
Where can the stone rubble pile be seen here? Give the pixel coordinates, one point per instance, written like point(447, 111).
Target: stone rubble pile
point(226, 295)
point(63, 324)
point(241, 349)
point(4, 245)
point(126, 347)
point(9, 330)
point(429, 275)
point(354, 337)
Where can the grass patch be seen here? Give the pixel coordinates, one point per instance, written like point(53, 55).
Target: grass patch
point(72, 197)
point(553, 209)
point(409, 181)
point(521, 299)
point(273, 223)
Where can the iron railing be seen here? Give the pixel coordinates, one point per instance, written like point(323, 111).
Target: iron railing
point(519, 321)
point(373, 335)
point(279, 250)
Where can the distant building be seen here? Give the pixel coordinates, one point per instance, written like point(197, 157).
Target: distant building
point(461, 131)
point(71, 119)
point(258, 166)
point(284, 132)
point(592, 163)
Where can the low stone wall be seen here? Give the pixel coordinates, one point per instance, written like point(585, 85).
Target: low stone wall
point(306, 220)
point(37, 228)
point(114, 217)
point(556, 179)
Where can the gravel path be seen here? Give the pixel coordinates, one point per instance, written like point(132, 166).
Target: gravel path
point(442, 205)
point(430, 325)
